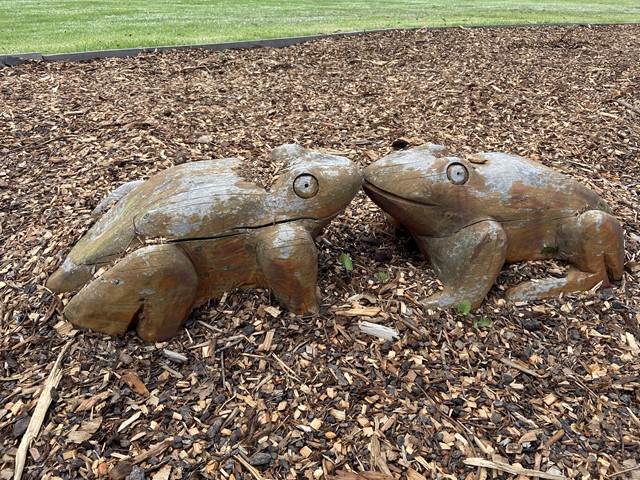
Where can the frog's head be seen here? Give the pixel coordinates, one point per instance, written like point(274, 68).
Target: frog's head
point(424, 189)
point(313, 185)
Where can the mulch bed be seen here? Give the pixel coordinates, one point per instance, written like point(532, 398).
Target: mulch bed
point(247, 391)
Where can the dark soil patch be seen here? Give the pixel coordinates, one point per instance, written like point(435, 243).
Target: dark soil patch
point(551, 386)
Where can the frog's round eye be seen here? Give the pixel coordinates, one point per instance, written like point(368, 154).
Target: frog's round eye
point(457, 173)
point(305, 186)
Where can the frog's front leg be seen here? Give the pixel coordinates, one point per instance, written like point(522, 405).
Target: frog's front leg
point(288, 263)
point(467, 263)
point(155, 286)
point(593, 243)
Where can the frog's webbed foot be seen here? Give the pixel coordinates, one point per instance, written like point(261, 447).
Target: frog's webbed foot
point(155, 286)
point(575, 280)
point(467, 262)
point(593, 243)
point(288, 261)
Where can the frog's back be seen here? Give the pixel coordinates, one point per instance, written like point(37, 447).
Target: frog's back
point(192, 201)
point(206, 200)
point(531, 201)
point(520, 189)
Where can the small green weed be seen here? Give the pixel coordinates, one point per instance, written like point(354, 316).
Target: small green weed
point(383, 277)
point(346, 261)
point(483, 322)
point(464, 309)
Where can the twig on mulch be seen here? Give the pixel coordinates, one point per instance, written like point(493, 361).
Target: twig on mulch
point(628, 105)
point(39, 413)
point(154, 451)
point(380, 331)
point(512, 469)
point(286, 368)
point(621, 472)
point(250, 468)
point(517, 366)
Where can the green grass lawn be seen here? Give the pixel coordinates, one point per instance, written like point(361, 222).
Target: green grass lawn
point(51, 26)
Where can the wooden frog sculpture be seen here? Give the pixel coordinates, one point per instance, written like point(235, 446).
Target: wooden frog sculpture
point(470, 216)
point(195, 231)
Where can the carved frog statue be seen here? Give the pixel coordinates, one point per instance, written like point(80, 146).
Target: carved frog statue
point(470, 216)
point(197, 230)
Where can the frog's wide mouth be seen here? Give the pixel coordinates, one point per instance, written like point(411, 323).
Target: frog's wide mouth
point(377, 193)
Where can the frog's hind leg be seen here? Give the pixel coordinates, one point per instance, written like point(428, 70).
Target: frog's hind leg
point(593, 243)
point(288, 262)
point(155, 286)
point(467, 262)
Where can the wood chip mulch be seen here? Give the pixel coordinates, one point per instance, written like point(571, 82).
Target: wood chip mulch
point(246, 391)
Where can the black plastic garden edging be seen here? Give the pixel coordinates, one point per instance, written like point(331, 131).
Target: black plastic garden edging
point(9, 60)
